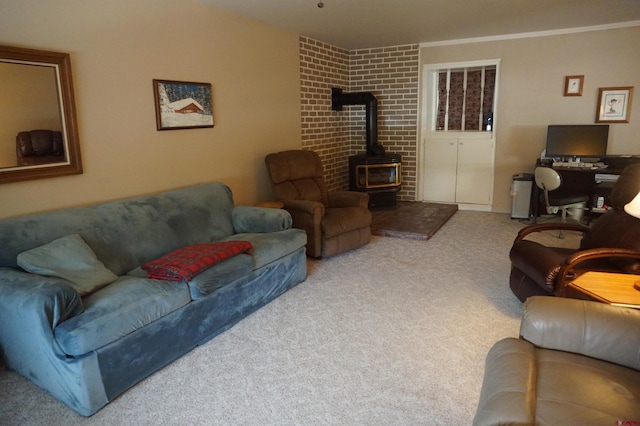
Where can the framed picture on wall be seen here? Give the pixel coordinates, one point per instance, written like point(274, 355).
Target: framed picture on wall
point(573, 85)
point(182, 105)
point(614, 104)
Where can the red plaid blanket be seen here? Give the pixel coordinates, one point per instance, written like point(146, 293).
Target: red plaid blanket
point(187, 262)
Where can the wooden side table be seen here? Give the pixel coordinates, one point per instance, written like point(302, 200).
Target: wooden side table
point(611, 288)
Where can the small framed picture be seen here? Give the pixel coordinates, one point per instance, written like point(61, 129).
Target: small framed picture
point(614, 104)
point(182, 105)
point(573, 85)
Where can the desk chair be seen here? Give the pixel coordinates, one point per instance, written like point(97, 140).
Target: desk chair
point(571, 203)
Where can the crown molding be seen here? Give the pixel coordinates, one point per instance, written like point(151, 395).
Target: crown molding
point(532, 34)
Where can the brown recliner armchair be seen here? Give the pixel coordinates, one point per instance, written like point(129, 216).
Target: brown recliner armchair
point(335, 221)
point(611, 244)
point(39, 147)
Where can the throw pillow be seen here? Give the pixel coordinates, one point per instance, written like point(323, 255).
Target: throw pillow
point(187, 262)
point(70, 258)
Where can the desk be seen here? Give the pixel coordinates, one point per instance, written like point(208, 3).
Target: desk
point(614, 289)
point(580, 180)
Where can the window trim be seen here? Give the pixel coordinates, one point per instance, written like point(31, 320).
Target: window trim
point(430, 98)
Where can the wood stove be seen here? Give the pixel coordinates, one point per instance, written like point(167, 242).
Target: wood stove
point(378, 175)
point(375, 172)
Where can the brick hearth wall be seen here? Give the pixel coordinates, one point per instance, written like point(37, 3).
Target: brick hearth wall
point(325, 131)
point(391, 74)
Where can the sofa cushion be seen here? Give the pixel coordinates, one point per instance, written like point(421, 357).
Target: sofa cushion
point(575, 389)
point(117, 310)
point(187, 262)
point(220, 275)
point(69, 258)
point(273, 245)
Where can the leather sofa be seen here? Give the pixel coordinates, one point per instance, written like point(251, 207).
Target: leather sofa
point(576, 363)
point(39, 147)
point(80, 314)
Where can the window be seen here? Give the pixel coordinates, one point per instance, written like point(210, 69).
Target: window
point(465, 98)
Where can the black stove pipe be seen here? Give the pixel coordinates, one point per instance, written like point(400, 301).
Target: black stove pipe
point(338, 99)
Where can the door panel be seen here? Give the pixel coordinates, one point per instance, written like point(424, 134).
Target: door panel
point(440, 169)
point(475, 171)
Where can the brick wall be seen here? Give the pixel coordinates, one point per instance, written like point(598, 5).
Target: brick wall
point(325, 131)
point(391, 74)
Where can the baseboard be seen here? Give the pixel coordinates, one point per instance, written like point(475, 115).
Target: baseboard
point(476, 207)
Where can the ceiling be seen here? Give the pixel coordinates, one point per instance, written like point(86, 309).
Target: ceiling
point(357, 24)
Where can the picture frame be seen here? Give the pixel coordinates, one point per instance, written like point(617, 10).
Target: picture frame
point(182, 104)
point(614, 104)
point(573, 85)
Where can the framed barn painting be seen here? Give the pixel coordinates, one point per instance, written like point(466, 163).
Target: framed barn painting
point(182, 105)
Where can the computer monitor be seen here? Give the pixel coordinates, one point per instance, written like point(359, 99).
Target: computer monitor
point(577, 141)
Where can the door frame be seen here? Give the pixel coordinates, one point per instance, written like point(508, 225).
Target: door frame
point(427, 104)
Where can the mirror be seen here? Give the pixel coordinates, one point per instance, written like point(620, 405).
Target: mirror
point(38, 128)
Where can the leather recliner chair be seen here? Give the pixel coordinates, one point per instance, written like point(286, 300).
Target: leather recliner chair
point(39, 147)
point(611, 244)
point(576, 363)
point(335, 221)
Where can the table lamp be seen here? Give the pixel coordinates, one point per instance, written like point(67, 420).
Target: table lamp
point(633, 208)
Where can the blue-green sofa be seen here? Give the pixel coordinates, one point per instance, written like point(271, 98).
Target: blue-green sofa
point(86, 349)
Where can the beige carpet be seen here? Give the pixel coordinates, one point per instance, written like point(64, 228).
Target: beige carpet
point(394, 333)
point(411, 219)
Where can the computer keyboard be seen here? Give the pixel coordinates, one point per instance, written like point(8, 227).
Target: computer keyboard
point(575, 164)
point(565, 164)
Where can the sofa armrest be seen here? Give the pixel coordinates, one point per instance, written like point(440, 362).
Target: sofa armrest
point(314, 208)
point(31, 306)
point(348, 199)
point(594, 329)
point(24, 294)
point(541, 263)
point(509, 377)
point(623, 258)
point(307, 215)
point(259, 219)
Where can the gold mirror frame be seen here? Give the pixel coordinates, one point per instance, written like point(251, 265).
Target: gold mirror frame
point(61, 63)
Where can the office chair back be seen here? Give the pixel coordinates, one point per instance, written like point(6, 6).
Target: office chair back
point(568, 203)
point(547, 179)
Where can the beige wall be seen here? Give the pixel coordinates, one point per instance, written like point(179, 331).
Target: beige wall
point(117, 48)
point(531, 91)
